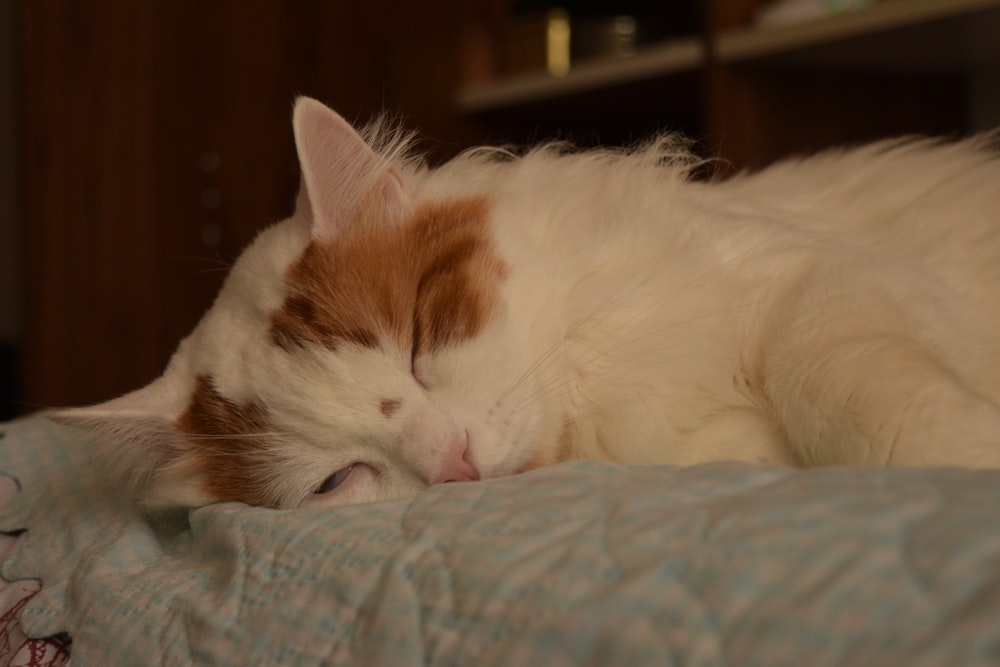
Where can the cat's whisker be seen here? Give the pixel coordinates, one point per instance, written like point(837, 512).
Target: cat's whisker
point(205, 272)
point(674, 327)
point(596, 354)
point(585, 365)
point(624, 373)
point(237, 436)
point(609, 306)
point(217, 262)
point(585, 326)
point(564, 400)
point(598, 317)
point(203, 258)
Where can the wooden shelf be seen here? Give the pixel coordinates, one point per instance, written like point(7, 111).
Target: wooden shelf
point(931, 35)
point(762, 93)
point(661, 60)
point(926, 35)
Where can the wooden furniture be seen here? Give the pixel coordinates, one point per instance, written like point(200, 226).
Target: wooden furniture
point(153, 138)
point(756, 94)
point(156, 141)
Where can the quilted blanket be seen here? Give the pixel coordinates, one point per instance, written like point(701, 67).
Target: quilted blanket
point(576, 564)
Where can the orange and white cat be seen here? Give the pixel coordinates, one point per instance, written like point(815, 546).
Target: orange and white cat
point(409, 326)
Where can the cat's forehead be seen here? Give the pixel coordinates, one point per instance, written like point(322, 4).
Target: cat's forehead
point(434, 278)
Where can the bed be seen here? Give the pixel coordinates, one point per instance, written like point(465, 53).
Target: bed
point(576, 564)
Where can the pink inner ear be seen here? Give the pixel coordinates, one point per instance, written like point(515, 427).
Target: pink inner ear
point(302, 208)
point(339, 170)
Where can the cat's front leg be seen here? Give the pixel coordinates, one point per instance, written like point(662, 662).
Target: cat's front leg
point(856, 391)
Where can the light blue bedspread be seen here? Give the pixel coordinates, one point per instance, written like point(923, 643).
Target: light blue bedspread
point(577, 564)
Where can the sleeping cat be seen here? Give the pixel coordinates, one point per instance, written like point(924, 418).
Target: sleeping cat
point(409, 326)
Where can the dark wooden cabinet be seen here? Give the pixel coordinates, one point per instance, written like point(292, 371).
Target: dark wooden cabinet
point(153, 137)
point(156, 141)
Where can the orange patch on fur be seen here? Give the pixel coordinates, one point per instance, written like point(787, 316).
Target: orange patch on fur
point(563, 451)
point(225, 447)
point(426, 283)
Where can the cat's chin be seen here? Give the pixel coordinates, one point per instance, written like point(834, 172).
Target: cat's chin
point(517, 463)
point(498, 458)
point(504, 471)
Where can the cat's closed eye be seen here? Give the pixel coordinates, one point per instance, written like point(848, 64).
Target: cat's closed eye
point(334, 480)
point(413, 357)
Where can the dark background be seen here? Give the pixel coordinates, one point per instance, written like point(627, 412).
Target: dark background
point(144, 142)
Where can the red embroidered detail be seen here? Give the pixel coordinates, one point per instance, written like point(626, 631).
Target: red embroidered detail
point(47, 652)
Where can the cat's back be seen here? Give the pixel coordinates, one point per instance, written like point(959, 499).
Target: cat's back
point(921, 197)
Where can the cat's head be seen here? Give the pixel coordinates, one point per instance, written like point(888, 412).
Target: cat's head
point(359, 350)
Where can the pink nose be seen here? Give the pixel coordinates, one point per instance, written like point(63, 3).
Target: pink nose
point(457, 467)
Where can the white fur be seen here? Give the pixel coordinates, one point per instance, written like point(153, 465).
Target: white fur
point(837, 309)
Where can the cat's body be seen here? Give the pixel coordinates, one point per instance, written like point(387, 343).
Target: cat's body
point(498, 314)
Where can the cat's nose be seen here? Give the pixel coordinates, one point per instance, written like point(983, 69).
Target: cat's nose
point(458, 465)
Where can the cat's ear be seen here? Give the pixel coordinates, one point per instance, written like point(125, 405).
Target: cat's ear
point(341, 174)
point(141, 444)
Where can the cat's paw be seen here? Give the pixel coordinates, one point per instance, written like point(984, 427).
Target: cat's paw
point(950, 426)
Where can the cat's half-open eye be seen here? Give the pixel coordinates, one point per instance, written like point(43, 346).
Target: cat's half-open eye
point(334, 480)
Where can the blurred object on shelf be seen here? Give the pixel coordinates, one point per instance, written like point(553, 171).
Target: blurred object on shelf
point(788, 12)
point(551, 35)
point(615, 36)
point(538, 42)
